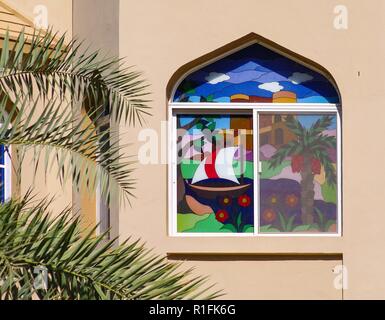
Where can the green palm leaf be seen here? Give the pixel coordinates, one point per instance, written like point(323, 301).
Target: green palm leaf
point(50, 67)
point(71, 146)
point(321, 125)
point(294, 125)
point(284, 151)
point(324, 142)
point(45, 71)
point(330, 171)
point(81, 267)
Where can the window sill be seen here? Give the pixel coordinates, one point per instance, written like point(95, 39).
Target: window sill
point(255, 245)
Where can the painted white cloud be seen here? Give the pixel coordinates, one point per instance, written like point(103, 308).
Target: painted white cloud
point(299, 77)
point(271, 86)
point(216, 77)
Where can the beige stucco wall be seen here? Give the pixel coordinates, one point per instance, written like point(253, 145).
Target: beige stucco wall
point(161, 36)
point(59, 12)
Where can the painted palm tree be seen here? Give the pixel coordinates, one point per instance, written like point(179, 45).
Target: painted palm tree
point(308, 152)
point(55, 101)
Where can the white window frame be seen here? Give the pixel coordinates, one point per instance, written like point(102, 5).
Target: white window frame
point(7, 173)
point(254, 109)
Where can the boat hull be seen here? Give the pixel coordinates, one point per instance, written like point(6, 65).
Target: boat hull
point(215, 190)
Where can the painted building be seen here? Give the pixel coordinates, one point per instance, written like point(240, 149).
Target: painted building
point(280, 217)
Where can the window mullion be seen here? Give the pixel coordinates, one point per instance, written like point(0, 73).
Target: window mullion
point(256, 170)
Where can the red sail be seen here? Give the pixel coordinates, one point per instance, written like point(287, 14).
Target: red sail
point(210, 166)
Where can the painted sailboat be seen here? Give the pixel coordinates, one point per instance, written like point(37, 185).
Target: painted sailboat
point(215, 175)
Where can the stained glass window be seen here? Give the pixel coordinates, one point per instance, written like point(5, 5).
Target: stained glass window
point(298, 173)
point(215, 173)
point(256, 74)
point(283, 180)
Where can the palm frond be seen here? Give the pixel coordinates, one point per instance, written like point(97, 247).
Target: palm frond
point(324, 142)
point(330, 170)
point(321, 125)
point(50, 67)
point(72, 266)
point(294, 125)
point(284, 151)
point(73, 146)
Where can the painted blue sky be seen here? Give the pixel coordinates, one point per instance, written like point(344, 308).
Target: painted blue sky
point(255, 71)
point(308, 120)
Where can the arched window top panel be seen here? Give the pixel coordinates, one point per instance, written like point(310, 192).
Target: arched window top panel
point(256, 74)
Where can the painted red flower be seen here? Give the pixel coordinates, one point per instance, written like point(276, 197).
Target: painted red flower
point(291, 200)
point(297, 163)
point(269, 215)
point(226, 201)
point(222, 215)
point(315, 166)
point(244, 200)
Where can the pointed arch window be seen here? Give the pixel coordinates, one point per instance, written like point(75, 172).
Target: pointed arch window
point(255, 148)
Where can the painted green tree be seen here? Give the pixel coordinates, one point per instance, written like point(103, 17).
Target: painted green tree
point(207, 125)
point(308, 152)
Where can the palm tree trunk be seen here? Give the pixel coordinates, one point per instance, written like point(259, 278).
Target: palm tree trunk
point(307, 191)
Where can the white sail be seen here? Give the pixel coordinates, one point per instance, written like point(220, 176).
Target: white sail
point(224, 164)
point(200, 173)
